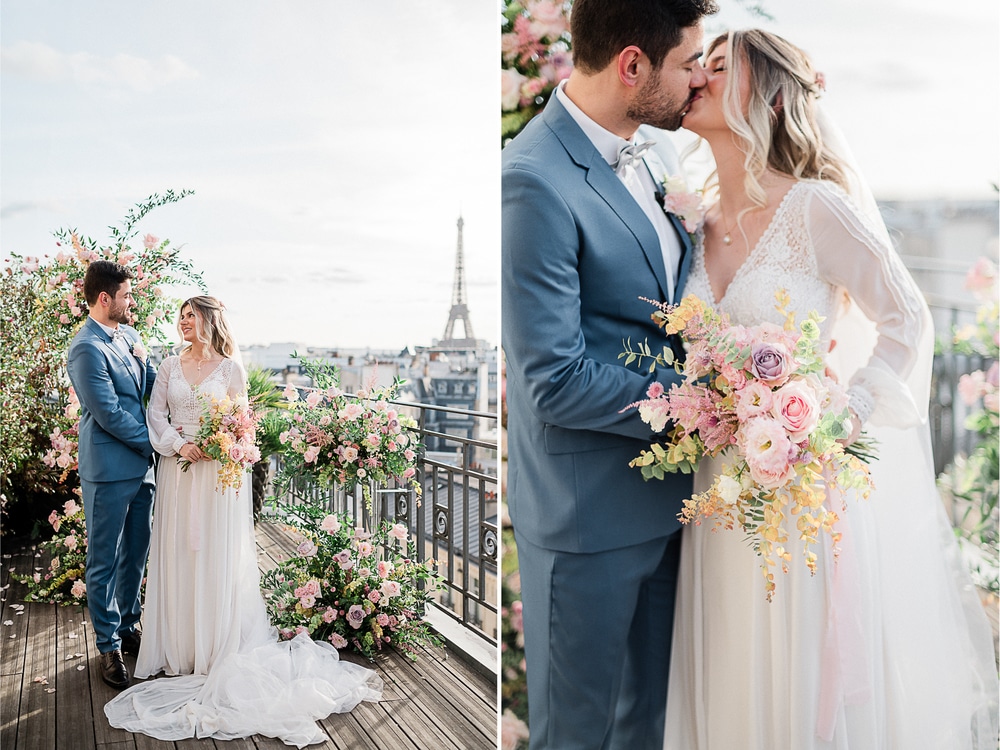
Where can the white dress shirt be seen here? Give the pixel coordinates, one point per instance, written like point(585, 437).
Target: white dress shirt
point(639, 183)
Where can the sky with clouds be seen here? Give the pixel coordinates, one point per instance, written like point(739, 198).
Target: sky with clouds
point(333, 145)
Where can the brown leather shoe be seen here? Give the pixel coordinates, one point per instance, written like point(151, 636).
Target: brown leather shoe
point(131, 642)
point(113, 669)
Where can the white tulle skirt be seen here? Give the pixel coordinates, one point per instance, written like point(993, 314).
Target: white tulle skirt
point(205, 620)
point(887, 647)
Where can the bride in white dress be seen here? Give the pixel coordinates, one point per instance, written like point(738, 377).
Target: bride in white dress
point(204, 615)
point(887, 647)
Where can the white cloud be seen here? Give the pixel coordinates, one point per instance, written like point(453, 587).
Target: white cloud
point(40, 62)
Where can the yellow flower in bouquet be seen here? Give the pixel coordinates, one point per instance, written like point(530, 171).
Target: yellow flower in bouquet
point(760, 398)
point(227, 434)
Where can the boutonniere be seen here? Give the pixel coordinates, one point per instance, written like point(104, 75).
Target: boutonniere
point(139, 351)
point(685, 204)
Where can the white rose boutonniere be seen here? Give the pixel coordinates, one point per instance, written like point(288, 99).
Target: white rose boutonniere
point(139, 351)
point(685, 204)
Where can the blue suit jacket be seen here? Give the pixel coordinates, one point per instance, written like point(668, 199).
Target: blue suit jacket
point(578, 252)
point(114, 441)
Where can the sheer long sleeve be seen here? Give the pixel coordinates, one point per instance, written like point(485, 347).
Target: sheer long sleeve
point(237, 380)
point(162, 434)
point(892, 383)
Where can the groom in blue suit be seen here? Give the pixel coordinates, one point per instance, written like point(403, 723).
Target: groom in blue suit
point(112, 376)
point(584, 236)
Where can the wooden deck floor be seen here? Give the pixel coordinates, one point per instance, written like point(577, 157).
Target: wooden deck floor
point(438, 702)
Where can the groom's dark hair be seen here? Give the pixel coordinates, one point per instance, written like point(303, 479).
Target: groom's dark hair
point(601, 29)
point(103, 276)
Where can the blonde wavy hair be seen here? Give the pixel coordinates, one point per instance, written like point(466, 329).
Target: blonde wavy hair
point(211, 326)
point(780, 130)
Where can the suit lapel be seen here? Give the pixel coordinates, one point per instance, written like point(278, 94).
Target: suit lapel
point(659, 172)
point(110, 346)
point(603, 180)
point(686, 253)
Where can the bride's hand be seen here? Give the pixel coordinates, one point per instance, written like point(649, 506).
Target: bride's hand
point(191, 453)
point(855, 430)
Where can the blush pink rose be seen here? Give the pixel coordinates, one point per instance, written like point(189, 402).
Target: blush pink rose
point(547, 18)
point(338, 640)
point(330, 524)
point(390, 588)
point(399, 532)
point(796, 408)
point(510, 89)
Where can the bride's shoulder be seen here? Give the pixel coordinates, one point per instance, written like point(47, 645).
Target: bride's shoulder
point(824, 188)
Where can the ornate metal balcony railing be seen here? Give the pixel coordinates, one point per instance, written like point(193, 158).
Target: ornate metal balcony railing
point(455, 520)
point(947, 412)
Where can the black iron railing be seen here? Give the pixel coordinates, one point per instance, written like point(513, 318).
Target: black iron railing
point(947, 411)
point(454, 520)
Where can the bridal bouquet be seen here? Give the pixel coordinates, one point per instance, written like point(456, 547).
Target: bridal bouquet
point(760, 396)
point(349, 439)
point(227, 434)
point(353, 588)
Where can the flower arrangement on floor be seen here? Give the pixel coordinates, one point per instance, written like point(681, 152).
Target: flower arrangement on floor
point(348, 439)
point(760, 397)
point(227, 434)
point(63, 581)
point(355, 589)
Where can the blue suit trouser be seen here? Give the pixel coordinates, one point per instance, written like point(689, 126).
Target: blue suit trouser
point(597, 632)
point(119, 519)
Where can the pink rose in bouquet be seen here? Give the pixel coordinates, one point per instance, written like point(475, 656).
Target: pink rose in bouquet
point(760, 395)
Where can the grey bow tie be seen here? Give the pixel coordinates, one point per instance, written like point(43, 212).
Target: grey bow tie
point(117, 335)
point(630, 154)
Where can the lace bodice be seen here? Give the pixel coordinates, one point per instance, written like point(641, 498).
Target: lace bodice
point(825, 253)
point(782, 259)
point(175, 403)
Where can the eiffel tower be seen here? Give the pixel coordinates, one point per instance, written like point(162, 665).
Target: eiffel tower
point(459, 310)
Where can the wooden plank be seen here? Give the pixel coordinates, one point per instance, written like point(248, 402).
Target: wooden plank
point(74, 720)
point(126, 745)
point(100, 694)
point(12, 649)
point(145, 742)
point(452, 704)
point(10, 702)
point(434, 705)
point(345, 732)
point(37, 727)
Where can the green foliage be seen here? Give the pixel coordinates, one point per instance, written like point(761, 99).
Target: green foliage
point(352, 588)
point(973, 482)
point(41, 309)
point(347, 439)
point(63, 581)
